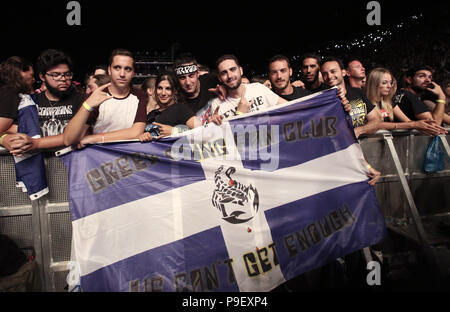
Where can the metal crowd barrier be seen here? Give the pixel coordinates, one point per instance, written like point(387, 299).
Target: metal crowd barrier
point(411, 200)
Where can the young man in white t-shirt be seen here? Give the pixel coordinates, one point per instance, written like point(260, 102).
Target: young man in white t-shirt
point(114, 111)
point(241, 98)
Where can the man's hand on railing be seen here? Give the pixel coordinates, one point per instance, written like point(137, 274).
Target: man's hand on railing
point(429, 126)
point(18, 143)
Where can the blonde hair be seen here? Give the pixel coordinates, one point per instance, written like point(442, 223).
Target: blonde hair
point(373, 81)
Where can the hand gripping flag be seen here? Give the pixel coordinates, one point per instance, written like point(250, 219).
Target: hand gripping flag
point(241, 207)
point(30, 167)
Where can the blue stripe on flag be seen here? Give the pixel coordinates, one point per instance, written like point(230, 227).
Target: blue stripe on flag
point(310, 232)
point(30, 169)
point(307, 129)
point(31, 172)
point(110, 175)
point(199, 262)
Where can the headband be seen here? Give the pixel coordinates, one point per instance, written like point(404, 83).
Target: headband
point(183, 70)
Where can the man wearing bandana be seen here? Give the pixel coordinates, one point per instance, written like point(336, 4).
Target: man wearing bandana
point(198, 90)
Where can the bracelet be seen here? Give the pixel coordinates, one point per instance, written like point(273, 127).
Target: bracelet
point(88, 108)
point(1, 138)
point(239, 113)
point(103, 138)
point(440, 101)
point(368, 166)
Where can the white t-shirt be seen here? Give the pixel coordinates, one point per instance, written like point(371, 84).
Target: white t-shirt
point(262, 98)
point(119, 113)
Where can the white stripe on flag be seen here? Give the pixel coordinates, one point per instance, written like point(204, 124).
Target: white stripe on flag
point(115, 234)
point(25, 100)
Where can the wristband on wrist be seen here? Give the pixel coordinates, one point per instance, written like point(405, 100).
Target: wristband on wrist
point(440, 101)
point(88, 108)
point(2, 137)
point(368, 166)
point(239, 113)
point(103, 138)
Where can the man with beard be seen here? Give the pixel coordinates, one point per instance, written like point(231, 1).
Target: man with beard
point(420, 84)
point(241, 98)
point(310, 69)
point(280, 73)
point(59, 103)
point(56, 105)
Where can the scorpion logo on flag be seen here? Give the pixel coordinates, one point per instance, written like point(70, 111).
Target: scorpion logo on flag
point(237, 202)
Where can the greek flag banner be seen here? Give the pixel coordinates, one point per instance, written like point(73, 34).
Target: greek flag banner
point(30, 168)
point(240, 207)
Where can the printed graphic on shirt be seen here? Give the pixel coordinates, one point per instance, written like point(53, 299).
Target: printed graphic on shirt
point(256, 103)
point(204, 113)
point(398, 98)
point(358, 113)
point(53, 120)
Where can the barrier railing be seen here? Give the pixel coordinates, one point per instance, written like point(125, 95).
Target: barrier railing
point(412, 201)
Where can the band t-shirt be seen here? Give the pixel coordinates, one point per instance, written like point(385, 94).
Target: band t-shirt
point(361, 106)
point(9, 103)
point(296, 94)
point(119, 113)
point(409, 103)
point(257, 93)
point(55, 115)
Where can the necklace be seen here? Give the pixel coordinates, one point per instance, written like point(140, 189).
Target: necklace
point(52, 103)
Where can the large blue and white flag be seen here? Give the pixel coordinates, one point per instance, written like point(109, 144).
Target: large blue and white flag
point(30, 167)
point(241, 207)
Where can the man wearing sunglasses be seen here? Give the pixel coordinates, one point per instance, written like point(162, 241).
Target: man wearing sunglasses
point(56, 106)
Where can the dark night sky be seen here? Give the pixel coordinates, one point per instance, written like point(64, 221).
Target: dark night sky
point(253, 32)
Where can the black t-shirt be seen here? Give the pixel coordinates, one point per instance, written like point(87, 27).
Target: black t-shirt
point(55, 115)
point(207, 81)
point(361, 106)
point(296, 94)
point(175, 114)
point(321, 87)
point(409, 103)
point(9, 103)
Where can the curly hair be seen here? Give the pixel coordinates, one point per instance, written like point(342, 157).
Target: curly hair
point(10, 73)
point(51, 58)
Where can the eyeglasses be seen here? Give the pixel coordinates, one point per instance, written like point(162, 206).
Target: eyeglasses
point(58, 76)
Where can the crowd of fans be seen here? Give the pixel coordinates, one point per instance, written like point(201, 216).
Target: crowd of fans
point(395, 88)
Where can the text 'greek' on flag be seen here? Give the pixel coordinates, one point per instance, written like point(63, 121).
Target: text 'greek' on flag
point(240, 207)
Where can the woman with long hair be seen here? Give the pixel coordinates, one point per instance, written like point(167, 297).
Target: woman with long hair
point(16, 78)
point(170, 111)
point(380, 88)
